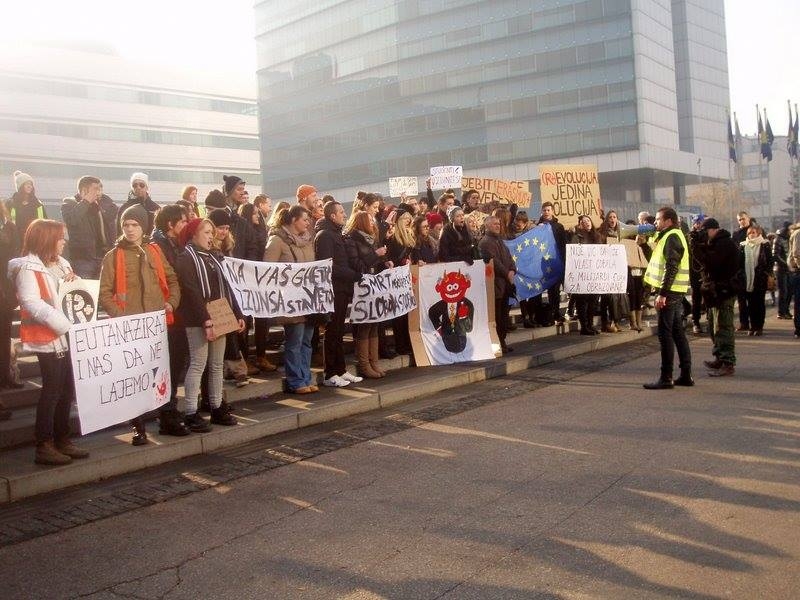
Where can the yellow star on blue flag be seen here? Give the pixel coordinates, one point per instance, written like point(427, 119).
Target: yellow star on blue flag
point(538, 263)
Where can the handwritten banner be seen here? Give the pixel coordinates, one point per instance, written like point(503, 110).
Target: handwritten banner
point(280, 289)
point(596, 269)
point(403, 185)
point(574, 190)
point(383, 296)
point(446, 177)
point(498, 190)
point(78, 299)
point(120, 367)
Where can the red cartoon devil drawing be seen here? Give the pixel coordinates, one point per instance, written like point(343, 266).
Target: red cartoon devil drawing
point(452, 315)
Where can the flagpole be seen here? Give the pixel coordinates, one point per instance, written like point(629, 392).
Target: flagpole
point(795, 180)
point(760, 159)
point(730, 177)
point(791, 161)
point(769, 200)
point(739, 187)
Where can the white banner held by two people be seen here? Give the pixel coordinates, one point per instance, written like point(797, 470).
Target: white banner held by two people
point(383, 296)
point(120, 367)
point(265, 289)
point(596, 269)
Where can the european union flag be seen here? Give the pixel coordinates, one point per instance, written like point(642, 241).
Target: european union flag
point(791, 139)
point(538, 264)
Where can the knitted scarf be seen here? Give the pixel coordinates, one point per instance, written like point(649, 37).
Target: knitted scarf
point(199, 257)
point(752, 247)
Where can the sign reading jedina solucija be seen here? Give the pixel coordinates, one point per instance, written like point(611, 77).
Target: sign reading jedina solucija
point(120, 367)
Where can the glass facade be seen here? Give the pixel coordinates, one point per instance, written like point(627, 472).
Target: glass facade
point(354, 91)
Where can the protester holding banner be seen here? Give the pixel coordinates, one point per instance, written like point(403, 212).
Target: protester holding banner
point(520, 226)
point(553, 313)
point(399, 250)
point(329, 243)
point(585, 304)
point(612, 306)
point(169, 224)
point(426, 248)
point(43, 329)
point(456, 242)
point(201, 280)
point(360, 239)
point(136, 278)
point(293, 243)
point(493, 248)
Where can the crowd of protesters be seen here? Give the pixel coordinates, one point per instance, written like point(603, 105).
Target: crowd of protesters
point(149, 257)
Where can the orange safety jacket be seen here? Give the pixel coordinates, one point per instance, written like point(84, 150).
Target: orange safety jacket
point(121, 283)
point(30, 330)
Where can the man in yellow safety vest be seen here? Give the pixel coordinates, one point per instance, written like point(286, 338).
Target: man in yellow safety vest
point(668, 274)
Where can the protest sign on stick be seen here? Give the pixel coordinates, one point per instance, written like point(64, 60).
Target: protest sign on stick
point(574, 190)
point(383, 296)
point(498, 190)
point(78, 299)
point(446, 177)
point(403, 185)
point(265, 289)
point(596, 269)
point(120, 367)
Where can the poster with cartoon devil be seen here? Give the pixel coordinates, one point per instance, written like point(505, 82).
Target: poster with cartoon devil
point(453, 312)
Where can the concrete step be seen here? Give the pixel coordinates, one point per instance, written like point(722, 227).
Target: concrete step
point(264, 411)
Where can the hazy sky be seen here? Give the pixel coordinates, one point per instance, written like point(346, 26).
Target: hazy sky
point(217, 34)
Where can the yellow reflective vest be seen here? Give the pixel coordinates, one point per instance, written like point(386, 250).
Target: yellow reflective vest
point(657, 267)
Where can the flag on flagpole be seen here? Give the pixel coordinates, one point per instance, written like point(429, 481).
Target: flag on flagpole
point(737, 135)
point(732, 142)
point(791, 141)
point(766, 147)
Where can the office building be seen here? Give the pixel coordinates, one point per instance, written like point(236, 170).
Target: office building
point(352, 92)
point(66, 112)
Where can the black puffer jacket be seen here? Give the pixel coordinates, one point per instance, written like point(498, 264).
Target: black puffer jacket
point(22, 213)
point(329, 243)
point(361, 254)
point(720, 260)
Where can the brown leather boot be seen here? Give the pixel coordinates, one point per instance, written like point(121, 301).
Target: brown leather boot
point(47, 454)
point(65, 446)
point(373, 356)
point(363, 365)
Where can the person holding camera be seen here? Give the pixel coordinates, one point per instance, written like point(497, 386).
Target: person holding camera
point(718, 254)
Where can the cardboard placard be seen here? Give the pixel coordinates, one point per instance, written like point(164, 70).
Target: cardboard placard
point(596, 269)
point(636, 258)
point(574, 190)
point(222, 316)
point(498, 190)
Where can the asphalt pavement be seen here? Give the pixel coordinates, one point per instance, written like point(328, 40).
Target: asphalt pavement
point(566, 481)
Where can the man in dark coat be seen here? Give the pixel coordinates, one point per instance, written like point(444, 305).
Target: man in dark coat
point(139, 194)
point(493, 248)
point(329, 243)
point(246, 244)
point(715, 249)
point(91, 220)
point(553, 313)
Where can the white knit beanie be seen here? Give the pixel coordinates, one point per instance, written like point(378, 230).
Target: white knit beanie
point(21, 179)
point(140, 177)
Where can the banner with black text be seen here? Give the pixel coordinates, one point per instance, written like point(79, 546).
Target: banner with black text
point(383, 296)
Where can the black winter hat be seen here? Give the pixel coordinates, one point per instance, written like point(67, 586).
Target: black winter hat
point(219, 217)
point(231, 181)
point(711, 223)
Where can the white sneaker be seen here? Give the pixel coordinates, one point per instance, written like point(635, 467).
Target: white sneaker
point(350, 378)
point(336, 381)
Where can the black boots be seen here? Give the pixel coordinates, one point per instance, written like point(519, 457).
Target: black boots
point(170, 423)
point(685, 379)
point(139, 433)
point(663, 383)
point(222, 415)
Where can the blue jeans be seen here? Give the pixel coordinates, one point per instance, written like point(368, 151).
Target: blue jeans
point(671, 335)
point(297, 354)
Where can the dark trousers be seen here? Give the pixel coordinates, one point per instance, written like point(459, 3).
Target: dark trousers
point(55, 399)
point(402, 339)
point(697, 298)
point(178, 363)
point(757, 307)
point(783, 279)
point(501, 310)
point(744, 313)
point(332, 345)
point(794, 281)
point(261, 335)
point(635, 292)
point(553, 301)
point(585, 305)
point(242, 341)
point(5, 342)
point(671, 335)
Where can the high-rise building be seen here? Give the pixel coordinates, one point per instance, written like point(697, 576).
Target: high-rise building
point(352, 92)
point(66, 112)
